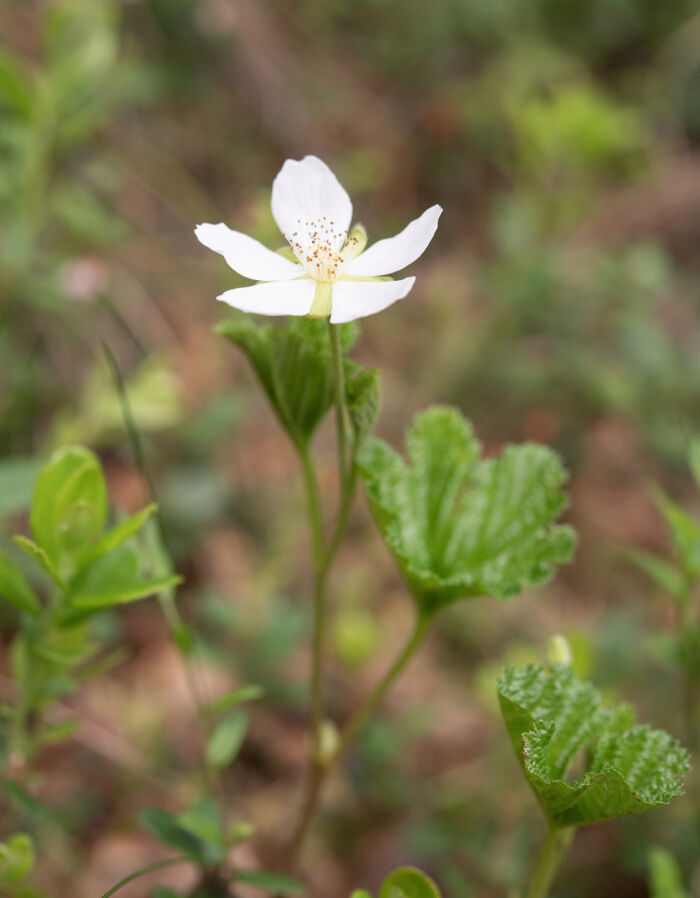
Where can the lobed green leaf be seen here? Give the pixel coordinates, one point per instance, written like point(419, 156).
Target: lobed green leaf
point(554, 720)
point(460, 525)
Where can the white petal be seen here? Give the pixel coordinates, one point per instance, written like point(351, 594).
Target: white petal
point(273, 298)
point(396, 253)
point(245, 255)
point(307, 197)
point(357, 299)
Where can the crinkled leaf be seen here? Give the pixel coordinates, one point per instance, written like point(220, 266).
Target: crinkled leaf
point(227, 738)
point(15, 589)
point(113, 580)
point(460, 525)
point(294, 367)
point(69, 507)
point(554, 720)
point(408, 883)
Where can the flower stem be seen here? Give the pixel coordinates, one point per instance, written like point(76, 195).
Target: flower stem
point(554, 847)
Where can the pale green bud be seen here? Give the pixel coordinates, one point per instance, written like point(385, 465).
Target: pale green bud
point(559, 651)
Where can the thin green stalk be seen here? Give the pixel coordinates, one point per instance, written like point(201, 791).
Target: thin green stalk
point(151, 868)
point(166, 600)
point(554, 847)
point(365, 711)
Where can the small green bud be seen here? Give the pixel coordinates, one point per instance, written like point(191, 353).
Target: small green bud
point(559, 651)
point(328, 742)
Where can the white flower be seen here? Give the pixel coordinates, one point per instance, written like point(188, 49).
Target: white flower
point(333, 273)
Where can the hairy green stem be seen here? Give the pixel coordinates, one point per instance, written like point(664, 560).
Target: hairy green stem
point(339, 388)
point(554, 848)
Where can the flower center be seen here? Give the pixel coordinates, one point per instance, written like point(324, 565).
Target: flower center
point(321, 248)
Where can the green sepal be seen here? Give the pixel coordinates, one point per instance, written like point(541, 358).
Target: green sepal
point(294, 367)
point(554, 719)
point(462, 526)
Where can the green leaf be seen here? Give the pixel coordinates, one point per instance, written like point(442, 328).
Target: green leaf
point(202, 819)
point(114, 538)
point(363, 396)
point(227, 738)
point(167, 829)
point(17, 859)
point(554, 720)
point(69, 507)
point(665, 575)
point(15, 589)
point(113, 580)
point(360, 893)
point(408, 883)
point(243, 694)
point(275, 883)
point(460, 525)
point(684, 530)
point(41, 557)
point(294, 367)
point(16, 87)
point(665, 875)
point(31, 807)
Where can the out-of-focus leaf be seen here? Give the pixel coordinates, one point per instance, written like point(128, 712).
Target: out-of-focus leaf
point(16, 88)
point(15, 589)
point(665, 575)
point(408, 883)
point(113, 580)
point(118, 535)
point(664, 875)
point(69, 506)
point(17, 858)
point(165, 827)
point(462, 526)
point(552, 718)
point(684, 530)
point(41, 557)
point(227, 738)
point(243, 694)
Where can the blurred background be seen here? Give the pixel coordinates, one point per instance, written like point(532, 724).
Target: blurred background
point(559, 302)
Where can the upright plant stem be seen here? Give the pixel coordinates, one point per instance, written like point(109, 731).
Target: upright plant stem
point(554, 847)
